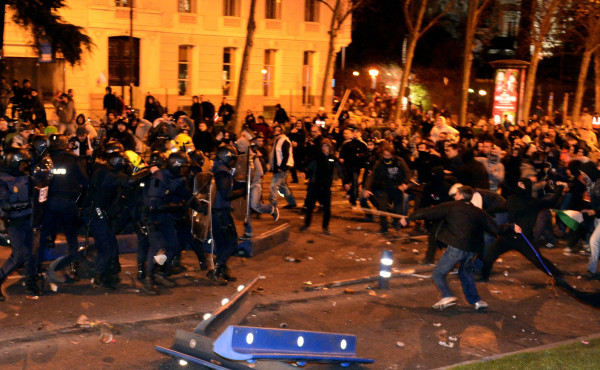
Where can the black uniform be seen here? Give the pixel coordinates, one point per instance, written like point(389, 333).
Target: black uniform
point(320, 176)
point(353, 153)
point(69, 178)
point(15, 208)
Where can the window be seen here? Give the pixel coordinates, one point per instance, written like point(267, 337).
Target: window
point(183, 74)
point(272, 9)
point(311, 10)
point(46, 78)
point(268, 73)
point(228, 71)
point(124, 3)
point(120, 55)
point(184, 6)
point(307, 78)
point(231, 8)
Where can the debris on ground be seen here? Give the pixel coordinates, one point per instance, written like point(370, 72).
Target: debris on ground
point(445, 344)
point(291, 259)
point(415, 251)
point(438, 324)
point(400, 344)
point(349, 291)
point(310, 241)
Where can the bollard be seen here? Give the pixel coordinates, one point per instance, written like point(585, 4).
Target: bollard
point(385, 271)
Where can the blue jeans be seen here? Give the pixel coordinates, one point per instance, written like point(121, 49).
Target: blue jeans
point(278, 183)
point(257, 205)
point(594, 249)
point(451, 257)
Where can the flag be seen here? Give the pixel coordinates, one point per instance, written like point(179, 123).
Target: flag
point(570, 218)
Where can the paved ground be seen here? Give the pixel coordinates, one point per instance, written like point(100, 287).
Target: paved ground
point(396, 327)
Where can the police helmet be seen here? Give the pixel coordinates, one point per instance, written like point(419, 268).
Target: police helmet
point(118, 161)
point(40, 143)
point(15, 156)
point(158, 159)
point(58, 142)
point(184, 142)
point(227, 154)
point(113, 146)
point(178, 163)
point(197, 156)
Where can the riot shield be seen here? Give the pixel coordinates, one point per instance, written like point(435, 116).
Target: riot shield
point(204, 192)
point(241, 178)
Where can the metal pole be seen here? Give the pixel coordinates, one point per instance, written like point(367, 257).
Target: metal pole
point(131, 53)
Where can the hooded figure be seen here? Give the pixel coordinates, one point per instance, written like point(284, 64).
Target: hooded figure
point(523, 210)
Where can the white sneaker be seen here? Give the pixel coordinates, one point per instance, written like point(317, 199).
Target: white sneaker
point(444, 303)
point(480, 305)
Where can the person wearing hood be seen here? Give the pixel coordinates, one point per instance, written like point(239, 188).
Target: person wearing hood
point(388, 181)
point(523, 210)
point(203, 139)
point(494, 167)
point(152, 109)
point(472, 173)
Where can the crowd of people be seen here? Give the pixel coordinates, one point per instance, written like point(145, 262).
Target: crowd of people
point(145, 171)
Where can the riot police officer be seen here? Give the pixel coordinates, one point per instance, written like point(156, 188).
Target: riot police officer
point(106, 183)
point(69, 178)
point(15, 207)
point(156, 162)
point(161, 199)
point(225, 237)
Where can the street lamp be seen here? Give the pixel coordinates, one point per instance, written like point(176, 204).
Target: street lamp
point(356, 73)
point(482, 92)
point(374, 73)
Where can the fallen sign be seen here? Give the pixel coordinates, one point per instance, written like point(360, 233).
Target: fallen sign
point(241, 347)
point(252, 343)
point(410, 271)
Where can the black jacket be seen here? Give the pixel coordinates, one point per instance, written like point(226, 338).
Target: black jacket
point(386, 176)
point(463, 224)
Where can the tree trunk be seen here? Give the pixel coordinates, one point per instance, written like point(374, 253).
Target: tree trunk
point(524, 32)
point(241, 92)
point(472, 21)
point(530, 82)
point(597, 80)
point(333, 29)
point(542, 30)
point(410, 54)
point(583, 71)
